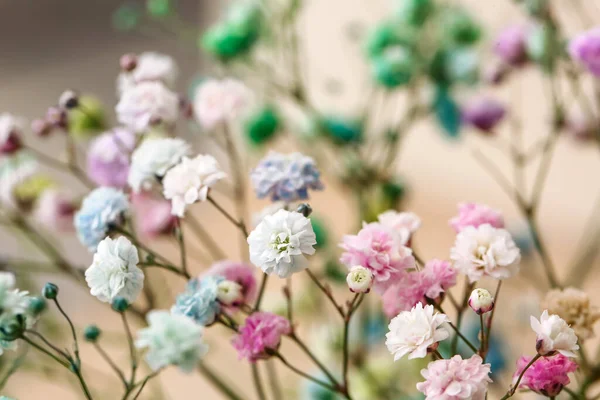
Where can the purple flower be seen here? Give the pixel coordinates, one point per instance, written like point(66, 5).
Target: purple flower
point(108, 158)
point(511, 46)
point(585, 49)
point(484, 114)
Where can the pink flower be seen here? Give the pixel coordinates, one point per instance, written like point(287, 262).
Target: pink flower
point(585, 48)
point(455, 379)
point(547, 376)
point(153, 214)
point(404, 224)
point(108, 158)
point(55, 210)
point(241, 273)
point(511, 45)
point(218, 101)
point(261, 332)
point(473, 214)
point(378, 249)
point(437, 277)
point(483, 114)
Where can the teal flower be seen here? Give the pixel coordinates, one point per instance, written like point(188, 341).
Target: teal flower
point(262, 126)
point(342, 131)
point(394, 67)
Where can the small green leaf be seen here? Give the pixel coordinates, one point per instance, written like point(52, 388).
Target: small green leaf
point(447, 112)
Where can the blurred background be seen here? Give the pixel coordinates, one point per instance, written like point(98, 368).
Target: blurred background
point(47, 46)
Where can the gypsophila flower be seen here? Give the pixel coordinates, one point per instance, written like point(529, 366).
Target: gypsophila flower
point(219, 101)
point(149, 67)
point(546, 376)
point(554, 335)
point(242, 274)
point(11, 131)
point(153, 158)
point(261, 332)
point(378, 249)
point(108, 158)
point(190, 180)
point(172, 340)
point(153, 214)
point(405, 224)
point(114, 271)
point(485, 251)
point(200, 300)
point(455, 379)
point(573, 305)
point(511, 45)
point(473, 214)
point(54, 210)
point(229, 293)
point(483, 114)
point(359, 279)
point(585, 48)
point(14, 316)
point(278, 244)
point(101, 208)
point(414, 332)
point(481, 301)
point(285, 177)
point(15, 170)
point(146, 104)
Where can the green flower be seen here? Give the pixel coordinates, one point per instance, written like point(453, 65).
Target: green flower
point(320, 231)
point(342, 131)
point(158, 8)
point(390, 33)
point(88, 119)
point(461, 28)
point(262, 126)
point(394, 67)
point(415, 12)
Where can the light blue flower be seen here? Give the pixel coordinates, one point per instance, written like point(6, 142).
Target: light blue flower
point(6, 398)
point(199, 301)
point(285, 177)
point(102, 208)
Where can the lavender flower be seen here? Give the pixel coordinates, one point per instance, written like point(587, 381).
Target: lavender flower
point(585, 48)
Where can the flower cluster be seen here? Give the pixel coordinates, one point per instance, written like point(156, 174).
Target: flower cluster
point(456, 379)
point(547, 375)
point(260, 335)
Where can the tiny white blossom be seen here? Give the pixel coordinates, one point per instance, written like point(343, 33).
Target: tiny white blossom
point(404, 224)
point(217, 101)
point(12, 300)
point(554, 335)
point(229, 292)
point(280, 241)
point(359, 279)
point(172, 339)
point(481, 301)
point(190, 180)
point(114, 271)
point(413, 332)
point(149, 66)
point(146, 104)
point(152, 159)
point(485, 251)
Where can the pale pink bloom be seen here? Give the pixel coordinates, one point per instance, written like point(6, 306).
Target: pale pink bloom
point(147, 67)
point(511, 45)
point(55, 210)
point(546, 376)
point(108, 158)
point(146, 104)
point(261, 332)
point(378, 249)
point(437, 276)
point(473, 214)
point(554, 335)
point(403, 223)
point(585, 48)
point(455, 379)
point(153, 214)
point(217, 101)
point(242, 274)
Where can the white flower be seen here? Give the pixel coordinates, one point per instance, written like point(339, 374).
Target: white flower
point(152, 159)
point(217, 101)
point(481, 301)
point(15, 170)
point(145, 104)
point(485, 251)
point(150, 66)
point(359, 279)
point(12, 300)
point(554, 335)
point(114, 271)
point(189, 181)
point(172, 340)
point(413, 332)
point(278, 244)
point(404, 224)
point(229, 292)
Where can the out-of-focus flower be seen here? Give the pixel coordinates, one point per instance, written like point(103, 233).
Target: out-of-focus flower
point(511, 45)
point(455, 379)
point(483, 113)
point(585, 48)
point(262, 125)
point(101, 208)
point(40, 127)
point(15, 170)
point(55, 210)
point(11, 131)
point(242, 274)
point(473, 214)
point(261, 332)
point(573, 305)
point(108, 158)
point(481, 301)
point(229, 293)
point(414, 332)
point(405, 224)
point(153, 214)
point(554, 335)
point(15, 316)
point(220, 101)
point(87, 121)
point(359, 279)
point(114, 271)
point(485, 251)
point(147, 67)
point(378, 249)
point(199, 301)
point(172, 340)
point(285, 177)
point(153, 158)
point(437, 276)
point(68, 99)
point(582, 127)
point(547, 375)
point(278, 244)
point(147, 104)
point(190, 180)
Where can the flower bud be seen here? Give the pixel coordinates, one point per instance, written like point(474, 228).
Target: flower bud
point(50, 291)
point(359, 279)
point(11, 144)
point(484, 114)
point(128, 62)
point(120, 304)
point(91, 333)
point(481, 301)
point(68, 100)
point(57, 117)
point(12, 328)
point(304, 209)
point(229, 292)
point(37, 305)
point(41, 127)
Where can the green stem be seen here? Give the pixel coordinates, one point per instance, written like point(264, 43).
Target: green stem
point(327, 292)
point(73, 333)
point(111, 363)
point(132, 352)
point(261, 291)
point(240, 224)
point(514, 388)
point(260, 391)
point(218, 382)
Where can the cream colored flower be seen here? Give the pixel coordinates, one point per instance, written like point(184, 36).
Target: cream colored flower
point(573, 305)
